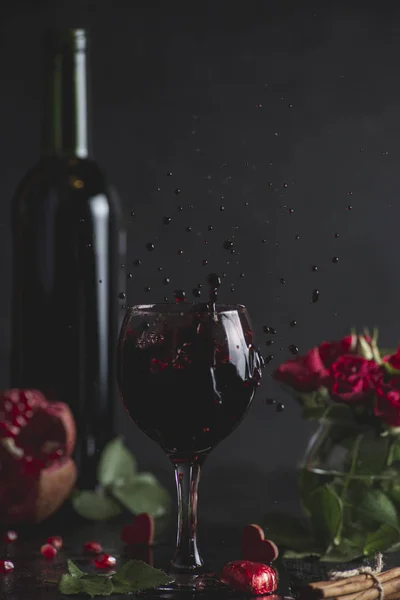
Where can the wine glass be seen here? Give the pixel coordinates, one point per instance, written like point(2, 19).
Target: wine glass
point(187, 374)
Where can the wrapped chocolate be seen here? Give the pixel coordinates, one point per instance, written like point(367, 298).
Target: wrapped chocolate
point(250, 577)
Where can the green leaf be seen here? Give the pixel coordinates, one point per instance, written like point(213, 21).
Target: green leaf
point(143, 493)
point(394, 453)
point(381, 539)
point(297, 555)
point(96, 586)
point(288, 532)
point(372, 455)
point(376, 506)
point(309, 482)
point(137, 575)
point(346, 551)
point(316, 399)
point(74, 570)
point(116, 465)
point(94, 506)
point(389, 369)
point(70, 585)
point(326, 515)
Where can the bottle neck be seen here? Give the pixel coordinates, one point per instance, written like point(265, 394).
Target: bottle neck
point(66, 114)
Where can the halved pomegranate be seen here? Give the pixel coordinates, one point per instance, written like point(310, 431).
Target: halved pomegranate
point(37, 439)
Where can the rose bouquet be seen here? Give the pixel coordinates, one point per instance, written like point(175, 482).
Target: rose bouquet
point(350, 476)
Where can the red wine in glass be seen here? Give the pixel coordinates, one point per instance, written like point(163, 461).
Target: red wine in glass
point(187, 374)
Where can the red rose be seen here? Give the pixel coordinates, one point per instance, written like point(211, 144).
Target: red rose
point(387, 405)
point(352, 378)
point(304, 373)
point(330, 351)
point(393, 359)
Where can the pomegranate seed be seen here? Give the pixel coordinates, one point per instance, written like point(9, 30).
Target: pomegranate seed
point(56, 541)
point(10, 536)
point(93, 547)
point(105, 561)
point(6, 566)
point(48, 551)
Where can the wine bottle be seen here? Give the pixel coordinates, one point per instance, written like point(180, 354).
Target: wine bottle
point(67, 245)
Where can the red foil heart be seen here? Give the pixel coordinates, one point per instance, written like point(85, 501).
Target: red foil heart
point(250, 577)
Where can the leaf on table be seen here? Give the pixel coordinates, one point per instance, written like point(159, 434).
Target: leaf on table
point(326, 510)
point(297, 555)
point(74, 570)
point(92, 505)
point(384, 537)
point(70, 585)
point(137, 575)
point(289, 532)
point(376, 506)
point(116, 465)
point(143, 493)
point(96, 586)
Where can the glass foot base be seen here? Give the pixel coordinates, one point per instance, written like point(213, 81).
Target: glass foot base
point(189, 584)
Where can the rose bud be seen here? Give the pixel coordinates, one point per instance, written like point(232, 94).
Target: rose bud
point(250, 577)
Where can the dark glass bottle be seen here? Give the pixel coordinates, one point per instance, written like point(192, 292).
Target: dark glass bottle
point(67, 244)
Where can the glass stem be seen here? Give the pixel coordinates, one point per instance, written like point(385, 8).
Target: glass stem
point(187, 558)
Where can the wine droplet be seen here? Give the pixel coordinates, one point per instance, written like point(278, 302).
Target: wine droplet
point(150, 246)
point(269, 342)
point(282, 280)
point(147, 289)
point(210, 228)
point(166, 280)
point(145, 325)
point(296, 237)
point(267, 329)
point(228, 244)
point(293, 349)
point(129, 275)
point(177, 191)
point(188, 229)
point(122, 295)
point(315, 296)
point(349, 207)
point(196, 292)
point(204, 262)
point(335, 259)
point(179, 296)
point(280, 407)
point(180, 251)
point(167, 220)
point(337, 235)
point(270, 401)
point(293, 323)
point(137, 263)
point(314, 268)
point(269, 358)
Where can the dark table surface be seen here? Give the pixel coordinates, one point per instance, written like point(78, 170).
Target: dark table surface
point(218, 545)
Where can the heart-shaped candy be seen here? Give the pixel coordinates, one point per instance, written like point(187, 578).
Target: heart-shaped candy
point(141, 531)
point(255, 547)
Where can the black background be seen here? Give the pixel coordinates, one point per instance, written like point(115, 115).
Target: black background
point(281, 105)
